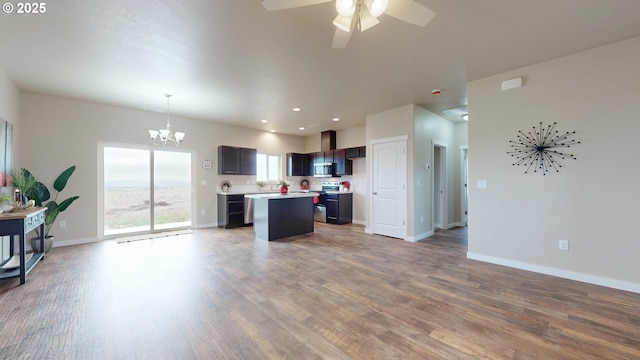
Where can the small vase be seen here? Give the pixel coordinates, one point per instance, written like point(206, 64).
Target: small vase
point(284, 190)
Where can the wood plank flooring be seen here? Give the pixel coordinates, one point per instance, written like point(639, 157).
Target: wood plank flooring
point(336, 294)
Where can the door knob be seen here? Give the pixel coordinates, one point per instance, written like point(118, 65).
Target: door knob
point(375, 193)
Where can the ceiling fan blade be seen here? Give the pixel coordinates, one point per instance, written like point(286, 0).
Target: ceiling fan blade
point(341, 39)
point(410, 11)
point(288, 4)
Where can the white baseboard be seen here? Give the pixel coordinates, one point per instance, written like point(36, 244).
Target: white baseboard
point(204, 226)
point(60, 243)
point(419, 237)
point(565, 274)
point(368, 230)
point(451, 226)
point(359, 222)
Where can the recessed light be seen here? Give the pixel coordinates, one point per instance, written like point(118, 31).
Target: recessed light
point(297, 109)
point(301, 128)
point(263, 121)
point(336, 119)
point(272, 130)
point(465, 117)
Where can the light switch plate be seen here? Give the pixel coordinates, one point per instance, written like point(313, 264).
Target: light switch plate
point(482, 184)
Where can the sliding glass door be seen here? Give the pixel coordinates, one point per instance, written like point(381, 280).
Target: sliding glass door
point(134, 179)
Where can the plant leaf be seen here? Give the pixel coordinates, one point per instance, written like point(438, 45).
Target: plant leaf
point(61, 181)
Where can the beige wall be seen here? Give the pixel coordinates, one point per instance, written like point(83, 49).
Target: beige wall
point(345, 138)
point(429, 129)
point(592, 201)
point(422, 128)
point(61, 132)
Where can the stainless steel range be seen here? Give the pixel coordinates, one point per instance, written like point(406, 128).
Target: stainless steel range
point(320, 209)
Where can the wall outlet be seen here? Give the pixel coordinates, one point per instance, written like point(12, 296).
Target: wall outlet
point(63, 224)
point(563, 245)
point(421, 218)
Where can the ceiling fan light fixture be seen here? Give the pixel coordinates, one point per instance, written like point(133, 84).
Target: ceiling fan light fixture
point(377, 7)
point(366, 20)
point(343, 23)
point(346, 8)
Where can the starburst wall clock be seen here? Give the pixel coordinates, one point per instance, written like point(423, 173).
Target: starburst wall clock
point(543, 149)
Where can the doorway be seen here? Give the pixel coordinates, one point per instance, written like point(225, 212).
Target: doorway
point(144, 190)
point(464, 184)
point(439, 181)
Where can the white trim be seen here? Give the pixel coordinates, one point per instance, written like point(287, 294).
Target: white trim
point(359, 222)
point(204, 226)
point(451, 226)
point(60, 243)
point(419, 237)
point(565, 274)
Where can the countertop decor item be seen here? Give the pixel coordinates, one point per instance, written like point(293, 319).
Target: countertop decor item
point(284, 186)
point(225, 186)
point(543, 149)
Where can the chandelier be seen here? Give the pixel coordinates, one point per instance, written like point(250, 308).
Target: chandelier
point(166, 136)
point(366, 13)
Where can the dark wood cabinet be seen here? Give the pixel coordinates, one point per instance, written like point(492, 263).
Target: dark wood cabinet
point(323, 157)
point(327, 140)
point(248, 161)
point(339, 208)
point(230, 211)
point(298, 164)
point(343, 166)
point(356, 152)
point(236, 160)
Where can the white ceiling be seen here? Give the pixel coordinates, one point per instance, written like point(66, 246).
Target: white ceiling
point(232, 61)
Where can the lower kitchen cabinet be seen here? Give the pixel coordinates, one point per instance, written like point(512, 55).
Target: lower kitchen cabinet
point(230, 211)
point(340, 208)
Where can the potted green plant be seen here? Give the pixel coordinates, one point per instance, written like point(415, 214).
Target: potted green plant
point(24, 181)
point(40, 193)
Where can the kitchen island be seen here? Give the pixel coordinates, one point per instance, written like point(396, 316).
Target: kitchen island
point(277, 216)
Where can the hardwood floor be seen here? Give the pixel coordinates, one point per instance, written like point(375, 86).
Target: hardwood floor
point(334, 294)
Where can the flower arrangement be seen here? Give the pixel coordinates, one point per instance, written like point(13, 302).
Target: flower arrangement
point(261, 184)
point(284, 183)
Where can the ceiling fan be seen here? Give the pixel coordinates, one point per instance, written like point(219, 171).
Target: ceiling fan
point(361, 14)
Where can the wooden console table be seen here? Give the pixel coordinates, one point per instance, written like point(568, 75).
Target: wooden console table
point(20, 223)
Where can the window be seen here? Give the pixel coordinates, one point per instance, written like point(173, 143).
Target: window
point(133, 179)
point(268, 167)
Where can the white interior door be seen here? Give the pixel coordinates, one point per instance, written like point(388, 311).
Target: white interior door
point(389, 190)
point(440, 219)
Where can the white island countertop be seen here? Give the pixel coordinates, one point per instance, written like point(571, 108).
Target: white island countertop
point(281, 196)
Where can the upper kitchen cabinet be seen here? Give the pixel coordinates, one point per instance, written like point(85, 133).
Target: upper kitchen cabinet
point(356, 152)
point(298, 164)
point(343, 166)
point(236, 160)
